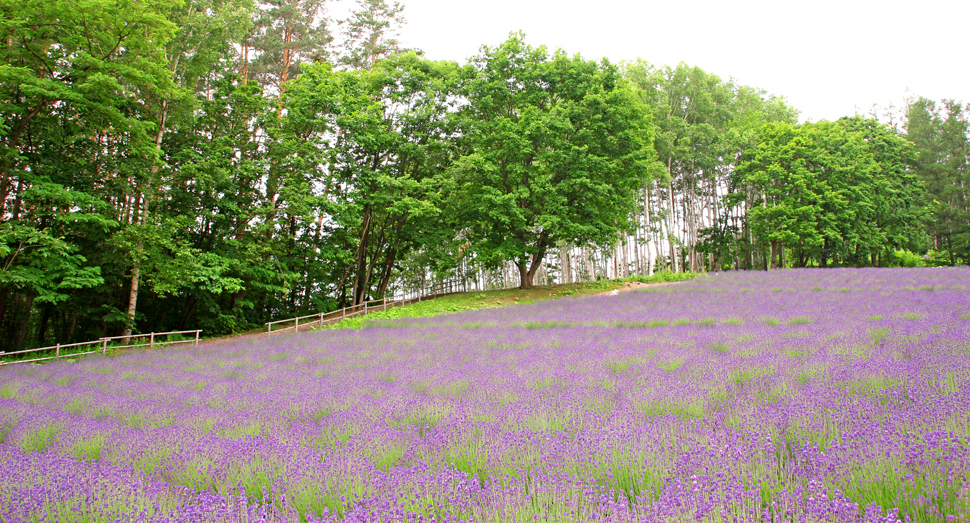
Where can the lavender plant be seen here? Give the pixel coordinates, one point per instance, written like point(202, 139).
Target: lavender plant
point(804, 395)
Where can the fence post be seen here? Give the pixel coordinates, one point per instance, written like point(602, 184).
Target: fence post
point(151, 341)
point(343, 313)
point(197, 336)
point(57, 351)
point(104, 347)
point(297, 327)
point(269, 329)
point(365, 307)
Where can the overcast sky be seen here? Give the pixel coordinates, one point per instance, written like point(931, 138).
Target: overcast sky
point(827, 58)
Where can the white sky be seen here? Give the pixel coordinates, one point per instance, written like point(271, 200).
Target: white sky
point(827, 58)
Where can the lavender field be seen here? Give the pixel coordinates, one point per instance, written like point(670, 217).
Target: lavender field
point(799, 396)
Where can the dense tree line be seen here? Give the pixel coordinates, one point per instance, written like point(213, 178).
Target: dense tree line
point(219, 163)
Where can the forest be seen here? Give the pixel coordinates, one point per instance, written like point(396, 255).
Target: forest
point(216, 164)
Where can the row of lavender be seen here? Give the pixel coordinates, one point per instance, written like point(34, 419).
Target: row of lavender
point(810, 395)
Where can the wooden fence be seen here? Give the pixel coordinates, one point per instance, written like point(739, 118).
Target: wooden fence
point(57, 352)
point(324, 318)
point(102, 344)
point(150, 339)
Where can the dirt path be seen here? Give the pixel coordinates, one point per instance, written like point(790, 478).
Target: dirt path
point(233, 338)
point(632, 286)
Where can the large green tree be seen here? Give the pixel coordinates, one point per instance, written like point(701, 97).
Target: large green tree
point(557, 148)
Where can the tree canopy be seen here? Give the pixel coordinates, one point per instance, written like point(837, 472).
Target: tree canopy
point(558, 147)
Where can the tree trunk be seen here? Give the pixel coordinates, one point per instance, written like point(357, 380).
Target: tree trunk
point(626, 262)
point(527, 274)
point(674, 262)
point(71, 324)
point(649, 230)
point(187, 311)
point(636, 248)
point(361, 256)
point(564, 264)
point(4, 293)
point(42, 329)
point(525, 278)
point(22, 333)
point(132, 300)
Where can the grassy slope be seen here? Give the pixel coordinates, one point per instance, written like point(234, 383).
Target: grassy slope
point(501, 298)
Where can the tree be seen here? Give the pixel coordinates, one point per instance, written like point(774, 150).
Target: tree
point(368, 150)
point(941, 134)
point(557, 148)
point(206, 30)
point(287, 34)
point(370, 33)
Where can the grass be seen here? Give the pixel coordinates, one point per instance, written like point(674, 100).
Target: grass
point(499, 298)
point(40, 438)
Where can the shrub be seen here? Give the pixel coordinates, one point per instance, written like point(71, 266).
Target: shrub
point(908, 259)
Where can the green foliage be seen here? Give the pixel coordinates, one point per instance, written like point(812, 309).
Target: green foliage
point(704, 124)
point(557, 149)
point(370, 33)
point(40, 438)
point(660, 277)
point(908, 259)
point(941, 134)
point(832, 191)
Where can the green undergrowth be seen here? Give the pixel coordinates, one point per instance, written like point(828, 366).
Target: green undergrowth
point(493, 299)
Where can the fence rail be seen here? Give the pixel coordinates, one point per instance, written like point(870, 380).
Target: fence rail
point(325, 318)
point(102, 344)
point(151, 339)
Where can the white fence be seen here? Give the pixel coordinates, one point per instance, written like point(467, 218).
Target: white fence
point(102, 345)
point(324, 318)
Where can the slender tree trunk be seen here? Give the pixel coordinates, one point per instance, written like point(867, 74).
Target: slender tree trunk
point(42, 329)
point(649, 231)
point(245, 67)
point(674, 262)
point(285, 73)
point(4, 293)
point(564, 264)
point(187, 311)
point(361, 256)
point(22, 332)
point(137, 216)
point(636, 248)
point(625, 268)
point(71, 324)
point(132, 299)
